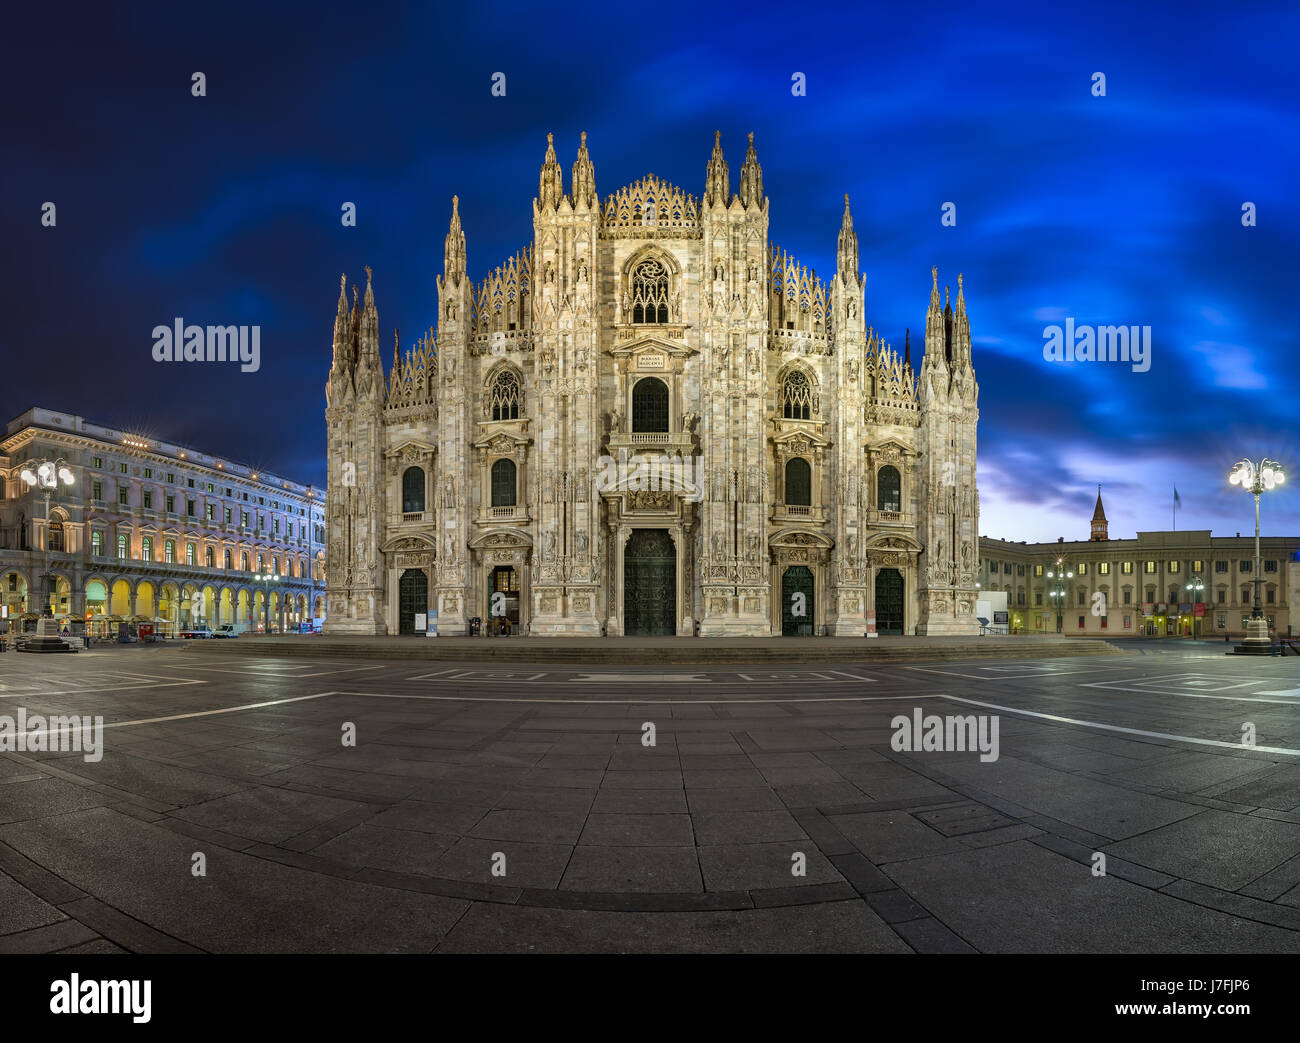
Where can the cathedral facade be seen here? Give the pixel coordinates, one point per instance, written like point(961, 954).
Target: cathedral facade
point(652, 421)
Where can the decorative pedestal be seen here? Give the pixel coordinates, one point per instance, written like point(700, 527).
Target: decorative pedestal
point(1257, 641)
point(47, 638)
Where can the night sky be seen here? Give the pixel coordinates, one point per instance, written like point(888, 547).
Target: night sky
point(1123, 209)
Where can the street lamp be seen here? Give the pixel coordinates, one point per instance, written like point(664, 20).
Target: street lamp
point(266, 579)
point(47, 475)
point(1058, 591)
point(1255, 480)
point(1195, 586)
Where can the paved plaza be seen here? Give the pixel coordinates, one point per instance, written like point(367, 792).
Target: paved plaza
point(518, 807)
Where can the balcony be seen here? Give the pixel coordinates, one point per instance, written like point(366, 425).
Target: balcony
point(672, 441)
point(883, 517)
point(786, 512)
point(407, 516)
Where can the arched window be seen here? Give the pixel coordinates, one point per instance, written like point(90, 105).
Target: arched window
point(650, 292)
point(503, 483)
point(650, 406)
point(259, 564)
point(211, 556)
point(796, 396)
point(243, 562)
point(798, 482)
point(413, 490)
point(505, 397)
point(56, 534)
point(189, 554)
point(121, 545)
point(146, 549)
point(226, 560)
point(889, 489)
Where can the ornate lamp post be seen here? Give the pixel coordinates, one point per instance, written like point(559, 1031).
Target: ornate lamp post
point(1194, 587)
point(47, 475)
point(1057, 592)
point(1255, 480)
point(266, 579)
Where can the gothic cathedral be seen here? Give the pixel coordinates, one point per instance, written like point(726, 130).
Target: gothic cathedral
point(652, 421)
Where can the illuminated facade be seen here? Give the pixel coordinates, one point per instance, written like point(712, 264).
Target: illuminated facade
point(817, 481)
point(1148, 584)
point(152, 532)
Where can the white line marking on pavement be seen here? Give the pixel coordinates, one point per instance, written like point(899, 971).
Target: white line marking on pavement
point(1127, 731)
point(272, 675)
point(1004, 677)
point(637, 679)
point(643, 701)
point(127, 687)
point(227, 709)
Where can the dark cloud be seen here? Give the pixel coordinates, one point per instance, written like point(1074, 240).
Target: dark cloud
point(1123, 209)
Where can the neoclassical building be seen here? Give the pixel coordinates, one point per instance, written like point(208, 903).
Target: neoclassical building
point(1163, 583)
point(152, 532)
point(653, 420)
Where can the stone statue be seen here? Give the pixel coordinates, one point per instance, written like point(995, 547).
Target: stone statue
point(581, 542)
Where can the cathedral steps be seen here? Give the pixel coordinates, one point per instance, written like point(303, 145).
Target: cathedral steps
point(660, 651)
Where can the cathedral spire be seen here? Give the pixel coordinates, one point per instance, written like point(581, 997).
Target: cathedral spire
point(751, 177)
point(848, 245)
point(947, 326)
point(584, 177)
point(717, 182)
point(961, 326)
point(550, 184)
point(934, 324)
point(453, 257)
point(907, 347)
point(368, 343)
point(342, 330)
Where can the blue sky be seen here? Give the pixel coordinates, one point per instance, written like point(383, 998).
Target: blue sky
point(1124, 209)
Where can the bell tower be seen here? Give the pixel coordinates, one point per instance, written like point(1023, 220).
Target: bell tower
point(1100, 527)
